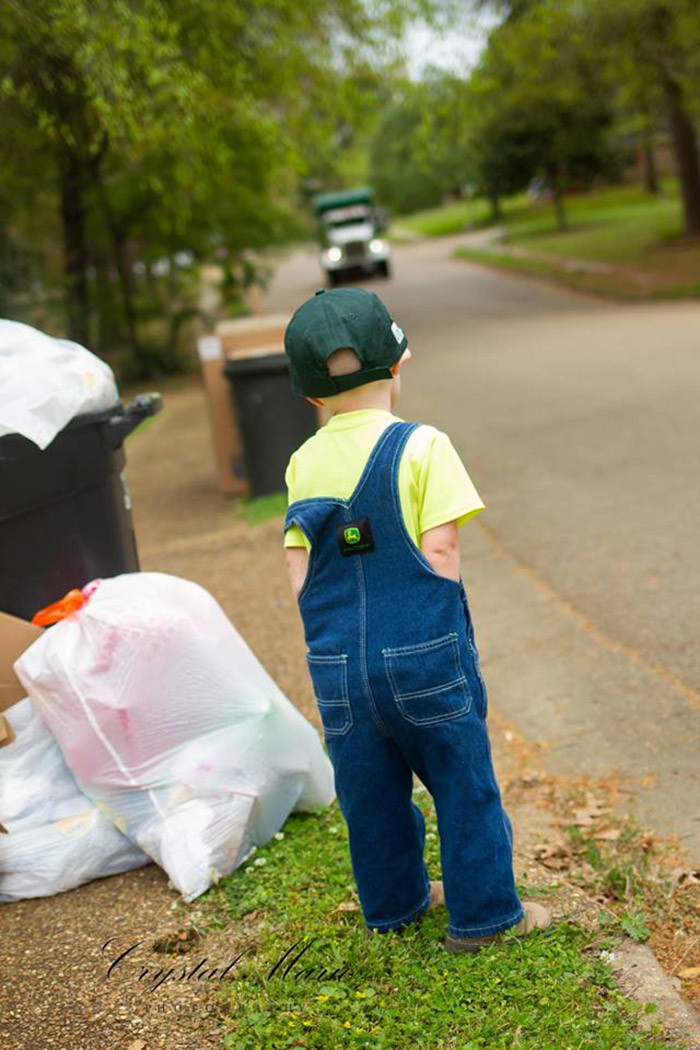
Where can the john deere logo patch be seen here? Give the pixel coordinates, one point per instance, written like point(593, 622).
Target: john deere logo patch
point(355, 537)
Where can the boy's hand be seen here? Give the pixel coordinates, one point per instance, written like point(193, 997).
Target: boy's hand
point(297, 563)
point(441, 547)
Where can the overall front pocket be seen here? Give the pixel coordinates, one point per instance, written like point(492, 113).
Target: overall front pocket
point(329, 674)
point(427, 680)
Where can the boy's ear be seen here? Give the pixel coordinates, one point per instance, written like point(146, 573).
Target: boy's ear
point(405, 356)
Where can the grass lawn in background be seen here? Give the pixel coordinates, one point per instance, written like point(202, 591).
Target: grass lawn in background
point(620, 241)
point(551, 991)
point(451, 218)
point(637, 219)
point(256, 509)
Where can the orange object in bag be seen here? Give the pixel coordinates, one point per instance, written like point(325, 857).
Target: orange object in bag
point(70, 602)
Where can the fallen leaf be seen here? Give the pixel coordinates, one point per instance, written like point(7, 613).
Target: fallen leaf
point(346, 906)
point(555, 858)
point(138, 1044)
point(608, 834)
point(588, 814)
point(689, 973)
point(683, 877)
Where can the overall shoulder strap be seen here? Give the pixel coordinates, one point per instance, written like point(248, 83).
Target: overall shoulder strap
point(382, 465)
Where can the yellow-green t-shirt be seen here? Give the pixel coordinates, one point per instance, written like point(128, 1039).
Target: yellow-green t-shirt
point(434, 486)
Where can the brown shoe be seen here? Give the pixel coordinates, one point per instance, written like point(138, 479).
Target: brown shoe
point(536, 918)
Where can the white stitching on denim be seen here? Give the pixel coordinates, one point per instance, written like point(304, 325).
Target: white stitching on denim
point(434, 643)
point(437, 643)
point(435, 689)
point(374, 711)
point(340, 660)
point(436, 719)
point(466, 707)
point(313, 500)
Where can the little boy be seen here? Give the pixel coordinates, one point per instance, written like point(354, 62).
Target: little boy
point(373, 557)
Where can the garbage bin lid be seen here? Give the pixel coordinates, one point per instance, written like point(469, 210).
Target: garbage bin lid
point(255, 365)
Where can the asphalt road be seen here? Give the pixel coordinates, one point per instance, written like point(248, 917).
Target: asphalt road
point(578, 421)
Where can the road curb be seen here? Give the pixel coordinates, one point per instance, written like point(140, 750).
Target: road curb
point(639, 975)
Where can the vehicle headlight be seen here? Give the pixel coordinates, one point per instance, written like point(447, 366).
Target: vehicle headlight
point(334, 254)
point(376, 246)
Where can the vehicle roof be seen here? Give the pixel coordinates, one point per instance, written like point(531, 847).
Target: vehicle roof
point(341, 198)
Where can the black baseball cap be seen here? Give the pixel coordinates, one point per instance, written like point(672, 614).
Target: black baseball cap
point(330, 320)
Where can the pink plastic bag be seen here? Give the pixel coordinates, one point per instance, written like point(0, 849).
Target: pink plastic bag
point(169, 722)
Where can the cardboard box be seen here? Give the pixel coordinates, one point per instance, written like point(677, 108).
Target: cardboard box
point(251, 333)
point(240, 337)
point(7, 733)
point(230, 467)
point(15, 636)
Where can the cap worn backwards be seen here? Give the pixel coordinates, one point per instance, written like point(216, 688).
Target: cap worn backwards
point(331, 320)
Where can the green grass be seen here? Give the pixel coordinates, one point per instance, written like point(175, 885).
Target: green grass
point(617, 285)
point(454, 218)
point(637, 236)
point(616, 225)
point(256, 509)
point(551, 991)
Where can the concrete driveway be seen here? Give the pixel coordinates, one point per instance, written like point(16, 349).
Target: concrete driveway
point(578, 421)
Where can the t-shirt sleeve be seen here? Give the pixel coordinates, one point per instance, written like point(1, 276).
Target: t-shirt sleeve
point(446, 492)
point(293, 537)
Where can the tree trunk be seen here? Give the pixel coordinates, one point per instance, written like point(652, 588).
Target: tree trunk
point(686, 150)
point(558, 198)
point(122, 262)
point(75, 252)
point(651, 178)
point(126, 283)
point(496, 210)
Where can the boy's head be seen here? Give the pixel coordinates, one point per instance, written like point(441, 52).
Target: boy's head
point(340, 340)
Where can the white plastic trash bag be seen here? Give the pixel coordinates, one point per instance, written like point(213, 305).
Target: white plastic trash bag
point(45, 382)
point(171, 724)
point(57, 839)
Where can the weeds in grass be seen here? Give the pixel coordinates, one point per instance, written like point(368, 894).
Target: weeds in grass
point(348, 989)
point(256, 509)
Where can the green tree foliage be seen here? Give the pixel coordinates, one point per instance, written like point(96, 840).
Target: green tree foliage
point(650, 49)
point(638, 60)
point(541, 105)
point(158, 129)
point(421, 149)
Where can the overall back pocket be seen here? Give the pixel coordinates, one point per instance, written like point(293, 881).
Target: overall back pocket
point(329, 675)
point(427, 680)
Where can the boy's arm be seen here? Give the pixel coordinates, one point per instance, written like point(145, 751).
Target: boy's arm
point(296, 545)
point(297, 563)
point(441, 547)
point(447, 499)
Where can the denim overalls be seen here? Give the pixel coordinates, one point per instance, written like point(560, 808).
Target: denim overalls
point(395, 671)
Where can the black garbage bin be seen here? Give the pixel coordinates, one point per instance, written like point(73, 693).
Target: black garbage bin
point(272, 419)
point(65, 511)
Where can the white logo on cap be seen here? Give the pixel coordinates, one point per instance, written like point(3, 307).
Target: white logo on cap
point(398, 334)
